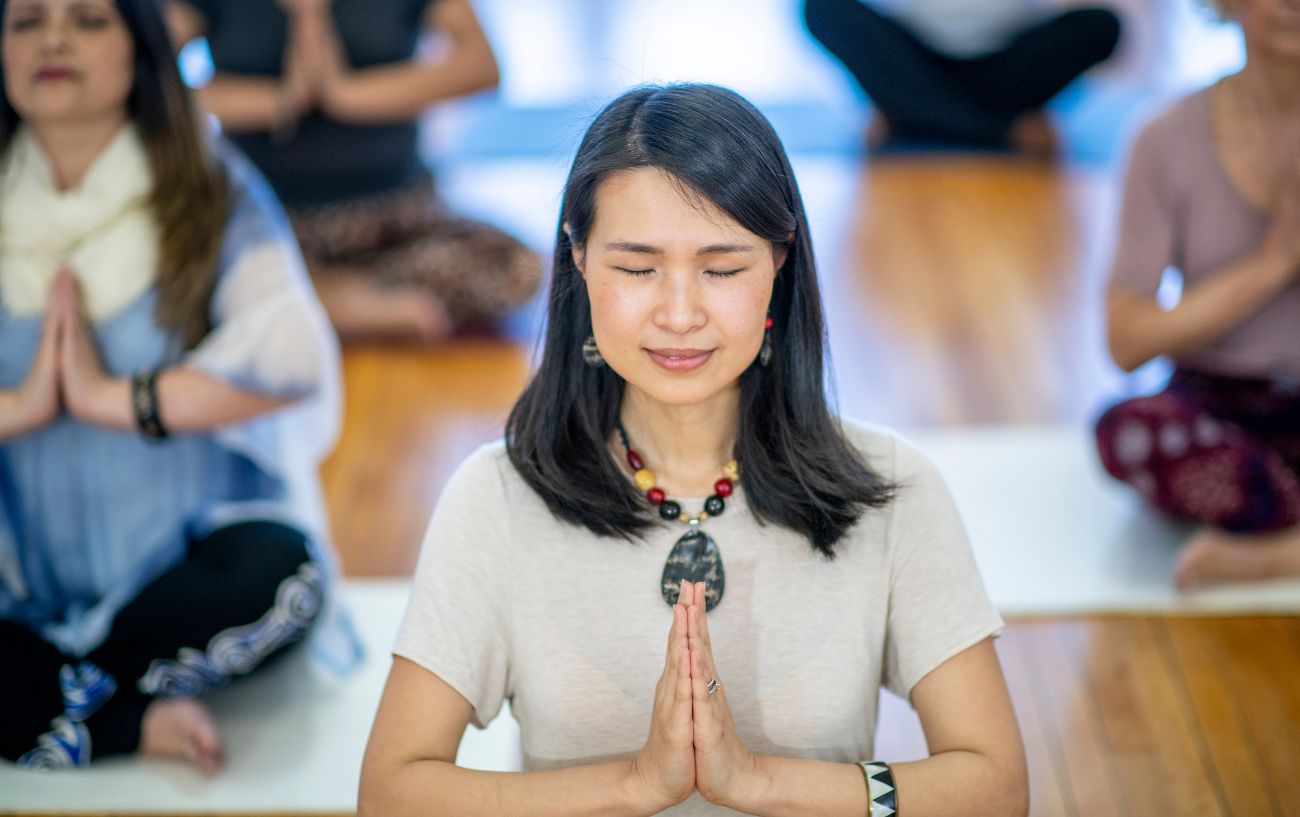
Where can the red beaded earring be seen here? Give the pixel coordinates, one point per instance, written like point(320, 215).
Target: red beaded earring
point(765, 354)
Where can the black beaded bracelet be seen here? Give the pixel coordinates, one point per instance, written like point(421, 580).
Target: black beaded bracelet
point(144, 401)
point(882, 800)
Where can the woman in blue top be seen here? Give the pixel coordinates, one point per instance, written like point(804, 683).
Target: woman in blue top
point(168, 383)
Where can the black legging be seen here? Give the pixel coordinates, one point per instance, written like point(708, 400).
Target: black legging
point(925, 94)
point(243, 593)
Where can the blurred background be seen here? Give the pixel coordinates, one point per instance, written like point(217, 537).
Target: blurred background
point(962, 287)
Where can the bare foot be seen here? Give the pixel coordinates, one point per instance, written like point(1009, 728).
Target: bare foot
point(1035, 135)
point(362, 310)
point(878, 131)
point(182, 728)
point(1214, 556)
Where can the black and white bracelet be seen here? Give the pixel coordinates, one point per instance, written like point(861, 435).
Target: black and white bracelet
point(882, 799)
point(144, 402)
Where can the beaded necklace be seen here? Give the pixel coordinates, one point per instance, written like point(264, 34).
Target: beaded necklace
point(695, 556)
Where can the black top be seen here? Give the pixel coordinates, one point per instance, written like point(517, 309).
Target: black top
point(325, 160)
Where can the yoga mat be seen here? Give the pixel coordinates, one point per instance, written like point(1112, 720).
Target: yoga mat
point(294, 737)
point(1054, 535)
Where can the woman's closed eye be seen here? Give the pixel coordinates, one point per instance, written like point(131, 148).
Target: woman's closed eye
point(92, 22)
point(710, 272)
point(24, 22)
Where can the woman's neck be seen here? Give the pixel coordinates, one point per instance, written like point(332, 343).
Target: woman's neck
point(72, 148)
point(1270, 84)
point(685, 446)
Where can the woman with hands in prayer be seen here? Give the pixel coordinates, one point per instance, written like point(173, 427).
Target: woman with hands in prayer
point(325, 96)
point(168, 386)
point(1213, 194)
point(673, 469)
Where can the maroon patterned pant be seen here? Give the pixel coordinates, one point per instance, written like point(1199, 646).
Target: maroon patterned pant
point(1219, 450)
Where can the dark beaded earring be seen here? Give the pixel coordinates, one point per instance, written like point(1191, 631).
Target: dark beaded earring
point(591, 353)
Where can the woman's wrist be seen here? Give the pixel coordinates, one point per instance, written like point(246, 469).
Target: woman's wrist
point(16, 416)
point(105, 403)
point(1276, 268)
point(637, 796)
point(751, 791)
point(338, 96)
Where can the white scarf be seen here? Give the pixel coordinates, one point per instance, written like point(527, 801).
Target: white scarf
point(103, 230)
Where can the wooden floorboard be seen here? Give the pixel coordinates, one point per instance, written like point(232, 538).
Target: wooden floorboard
point(1240, 774)
point(1262, 664)
point(1051, 791)
point(1152, 741)
point(410, 417)
point(1057, 656)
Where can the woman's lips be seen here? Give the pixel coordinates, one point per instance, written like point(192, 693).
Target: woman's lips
point(680, 360)
point(55, 73)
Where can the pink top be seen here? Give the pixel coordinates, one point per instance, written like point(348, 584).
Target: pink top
point(1181, 210)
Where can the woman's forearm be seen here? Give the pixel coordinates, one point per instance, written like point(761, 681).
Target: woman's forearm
point(13, 421)
point(436, 787)
point(189, 400)
point(1138, 329)
point(400, 92)
point(954, 783)
point(244, 103)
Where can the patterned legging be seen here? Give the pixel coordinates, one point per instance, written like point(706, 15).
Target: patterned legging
point(1219, 450)
point(245, 592)
point(407, 239)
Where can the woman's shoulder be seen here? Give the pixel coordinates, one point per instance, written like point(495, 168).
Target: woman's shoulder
point(1166, 129)
point(885, 450)
point(486, 474)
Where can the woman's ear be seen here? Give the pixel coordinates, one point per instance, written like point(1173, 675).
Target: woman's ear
point(780, 252)
point(578, 252)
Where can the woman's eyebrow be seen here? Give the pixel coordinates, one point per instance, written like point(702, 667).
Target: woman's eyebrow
point(724, 249)
point(712, 249)
point(632, 246)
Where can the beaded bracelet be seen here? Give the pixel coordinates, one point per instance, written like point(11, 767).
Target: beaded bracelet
point(144, 402)
point(882, 800)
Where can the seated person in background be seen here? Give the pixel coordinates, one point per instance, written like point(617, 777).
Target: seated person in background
point(324, 97)
point(574, 570)
point(1213, 191)
point(972, 72)
point(168, 385)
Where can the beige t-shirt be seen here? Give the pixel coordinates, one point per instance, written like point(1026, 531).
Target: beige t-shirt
point(509, 603)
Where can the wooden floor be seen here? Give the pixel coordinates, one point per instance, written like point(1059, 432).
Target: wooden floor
point(959, 291)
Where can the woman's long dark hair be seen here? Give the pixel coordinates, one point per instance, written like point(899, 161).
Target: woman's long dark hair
point(797, 469)
point(190, 199)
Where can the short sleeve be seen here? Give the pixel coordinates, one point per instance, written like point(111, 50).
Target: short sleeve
point(937, 602)
point(1146, 241)
point(455, 625)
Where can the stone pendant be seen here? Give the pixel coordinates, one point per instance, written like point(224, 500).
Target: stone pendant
point(695, 558)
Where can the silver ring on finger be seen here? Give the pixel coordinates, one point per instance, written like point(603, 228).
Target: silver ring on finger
point(711, 686)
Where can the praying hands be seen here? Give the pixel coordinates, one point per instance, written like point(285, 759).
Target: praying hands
point(693, 743)
point(66, 371)
point(315, 65)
